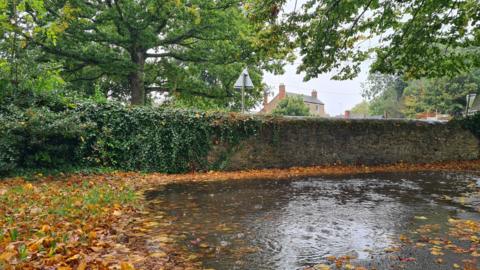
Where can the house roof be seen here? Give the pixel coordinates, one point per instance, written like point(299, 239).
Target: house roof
point(308, 99)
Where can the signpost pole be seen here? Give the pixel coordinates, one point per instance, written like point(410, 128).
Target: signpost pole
point(244, 82)
point(468, 105)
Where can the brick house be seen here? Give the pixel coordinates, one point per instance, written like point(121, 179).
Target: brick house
point(316, 107)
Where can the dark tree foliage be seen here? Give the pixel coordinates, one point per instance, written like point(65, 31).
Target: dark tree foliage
point(130, 48)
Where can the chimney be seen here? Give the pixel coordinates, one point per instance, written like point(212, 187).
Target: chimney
point(265, 98)
point(314, 94)
point(347, 114)
point(282, 91)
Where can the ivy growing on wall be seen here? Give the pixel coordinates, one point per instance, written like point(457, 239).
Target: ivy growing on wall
point(116, 136)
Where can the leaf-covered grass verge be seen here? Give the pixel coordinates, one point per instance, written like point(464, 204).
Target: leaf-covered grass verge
point(100, 221)
point(62, 222)
point(33, 174)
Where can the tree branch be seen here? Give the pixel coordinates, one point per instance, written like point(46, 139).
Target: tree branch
point(356, 21)
point(188, 34)
point(194, 93)
point(89, 79)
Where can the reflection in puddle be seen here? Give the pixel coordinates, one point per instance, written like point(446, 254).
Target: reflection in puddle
point(289, 224)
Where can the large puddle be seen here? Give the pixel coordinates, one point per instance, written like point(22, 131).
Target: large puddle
point(291, 224)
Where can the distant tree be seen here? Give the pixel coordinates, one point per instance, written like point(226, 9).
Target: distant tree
point(387, 104)
point(384, 93)
point(391, 95)
point(361, 108)
point(442, 95)
point(291, 106)
point(377, 84)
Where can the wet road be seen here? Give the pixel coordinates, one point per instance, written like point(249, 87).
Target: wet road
point(293, 224)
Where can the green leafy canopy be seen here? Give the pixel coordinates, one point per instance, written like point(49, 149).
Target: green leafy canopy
point(291, 106)
point(132, 48)
point(415, 38)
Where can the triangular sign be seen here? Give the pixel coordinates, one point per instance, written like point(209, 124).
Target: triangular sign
point(244, 80)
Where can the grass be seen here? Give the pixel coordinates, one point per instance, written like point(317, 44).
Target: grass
point(33, 174)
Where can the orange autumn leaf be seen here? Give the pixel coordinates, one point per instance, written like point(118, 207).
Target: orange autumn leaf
point(92, 235)
point(126, 266)
point(82, 265)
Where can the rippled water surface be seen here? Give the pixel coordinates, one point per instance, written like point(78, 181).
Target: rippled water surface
point(290, 224)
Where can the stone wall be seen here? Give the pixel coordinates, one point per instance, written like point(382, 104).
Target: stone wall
point(290, 142)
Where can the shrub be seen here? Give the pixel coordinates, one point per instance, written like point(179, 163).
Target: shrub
point(10, 139)
point(39, 138)
point(292, 106)
point(472, 123)
point(117, 136)
point(52, 139)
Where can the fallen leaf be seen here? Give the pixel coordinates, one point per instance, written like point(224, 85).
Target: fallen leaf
point(92, 235)
point(7, 256)
point(82, 265)
point(158, 255)
point(331, 258)
point(436, 252)
point(321, 267)
point(349, 267)
point(126, 266)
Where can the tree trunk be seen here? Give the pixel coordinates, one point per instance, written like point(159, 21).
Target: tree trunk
point(136, 79)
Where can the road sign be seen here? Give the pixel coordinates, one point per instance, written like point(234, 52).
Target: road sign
point(244, 81)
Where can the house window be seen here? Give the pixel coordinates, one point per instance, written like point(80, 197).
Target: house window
point(318, 109)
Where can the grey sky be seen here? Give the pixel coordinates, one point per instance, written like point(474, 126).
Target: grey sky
point(338, 96)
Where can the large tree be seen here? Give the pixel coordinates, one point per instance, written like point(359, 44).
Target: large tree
point(137, 46)
point(415, 38)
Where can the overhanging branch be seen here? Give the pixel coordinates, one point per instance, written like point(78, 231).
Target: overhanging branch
point(191, 92)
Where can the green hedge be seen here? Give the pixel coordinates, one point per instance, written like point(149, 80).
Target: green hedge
point(115, 136)
point(471, 123)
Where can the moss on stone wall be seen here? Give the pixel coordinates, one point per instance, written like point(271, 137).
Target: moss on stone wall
point(290, 142)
